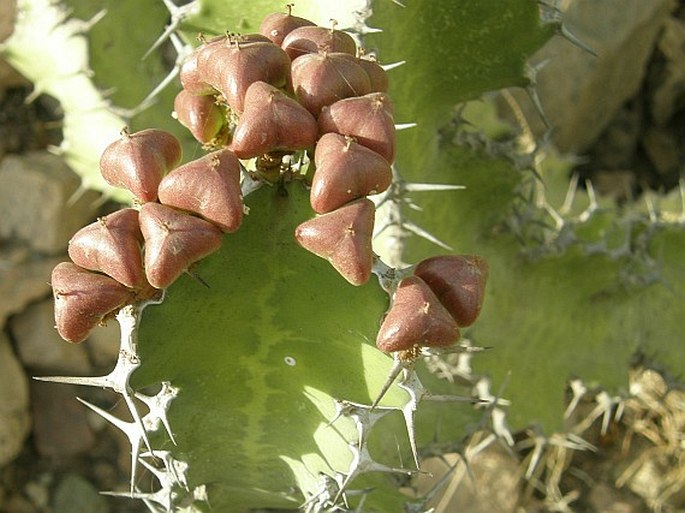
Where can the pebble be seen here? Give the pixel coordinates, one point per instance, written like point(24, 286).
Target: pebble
point(103, 345)
point(15, 503)
point(8, 75)
point(40, 201)
point(608, 499)
point(60, 422)
point(492, 469)
point(22, 282)
point(15, 421)
point(74, 494)
point(40, 347)
point(623, 33)
point(38, 491)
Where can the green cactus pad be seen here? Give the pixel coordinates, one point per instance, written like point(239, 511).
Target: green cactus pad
point(453, 51)
point(259, 357)
point(559, 316)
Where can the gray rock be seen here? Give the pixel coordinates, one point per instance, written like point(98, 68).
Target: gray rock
point(15, 420)
point(8, 75)
point(15, 503)
point(491, 485)
point(40, 201)
point(669, 91)
point(37, 490)
point(40, 347)
point(103, 345)
point(76, 495)
point(581, 93)
point(23, 281)
point(60, 422)
point(607, 499)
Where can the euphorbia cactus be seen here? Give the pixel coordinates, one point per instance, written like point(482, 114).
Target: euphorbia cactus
point(269, 375)
point(184, 210)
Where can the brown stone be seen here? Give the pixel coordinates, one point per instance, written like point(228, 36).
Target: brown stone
point(580, 92)
point(15, 419)
point(60, 423)
point(40, 347)
point(40, 201)
point(22, 282)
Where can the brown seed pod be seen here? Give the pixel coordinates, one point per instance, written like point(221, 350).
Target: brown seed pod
point(232, 68)
point(173, 242)
point(193, 69)
point(277, 25)
point(377, 75)
point(458, 281)
point(343, 237)
point(416, 318)
point(366, 118)
point(312, 39)
point(138, 161)
point(209, 187)
point(202, 116)
point(320, 79)
point(84, 299)
point(346, 171)
point(111, 245)
point(272, 121)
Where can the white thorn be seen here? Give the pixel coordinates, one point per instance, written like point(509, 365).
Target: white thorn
point(411, 384)
point(178, 14)
point(573, 39)
point(405, 126)
point(429, 187)
point(410, 226)
point(578, 390)
point(177, 469)
point(158, 405)
point(397, 367)
point(592, 207)
point(132, 430)
point(393, 65)
point(681, 191)
point(570, 194)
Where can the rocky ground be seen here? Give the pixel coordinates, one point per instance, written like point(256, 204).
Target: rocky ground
point(55, 456)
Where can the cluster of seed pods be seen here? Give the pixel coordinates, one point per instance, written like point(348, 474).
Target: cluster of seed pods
point(292, 89)
point(130, 254)
point(443, 294)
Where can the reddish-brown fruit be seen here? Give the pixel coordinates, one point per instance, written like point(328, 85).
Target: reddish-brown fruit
point(138, 161)
point(201, 115)
point(173, 242)
point(111, 245)
point(232, 69)
point(320, 79)
point(272, 121)
point(209, 187)
point(377, 75)
point(83, 299)
point(193, 69)
point(366, 118)
point(312, 39)
point(346, 171)
point(343, 237)
point(277, 25)
point(458, 281)
point(416, 318)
